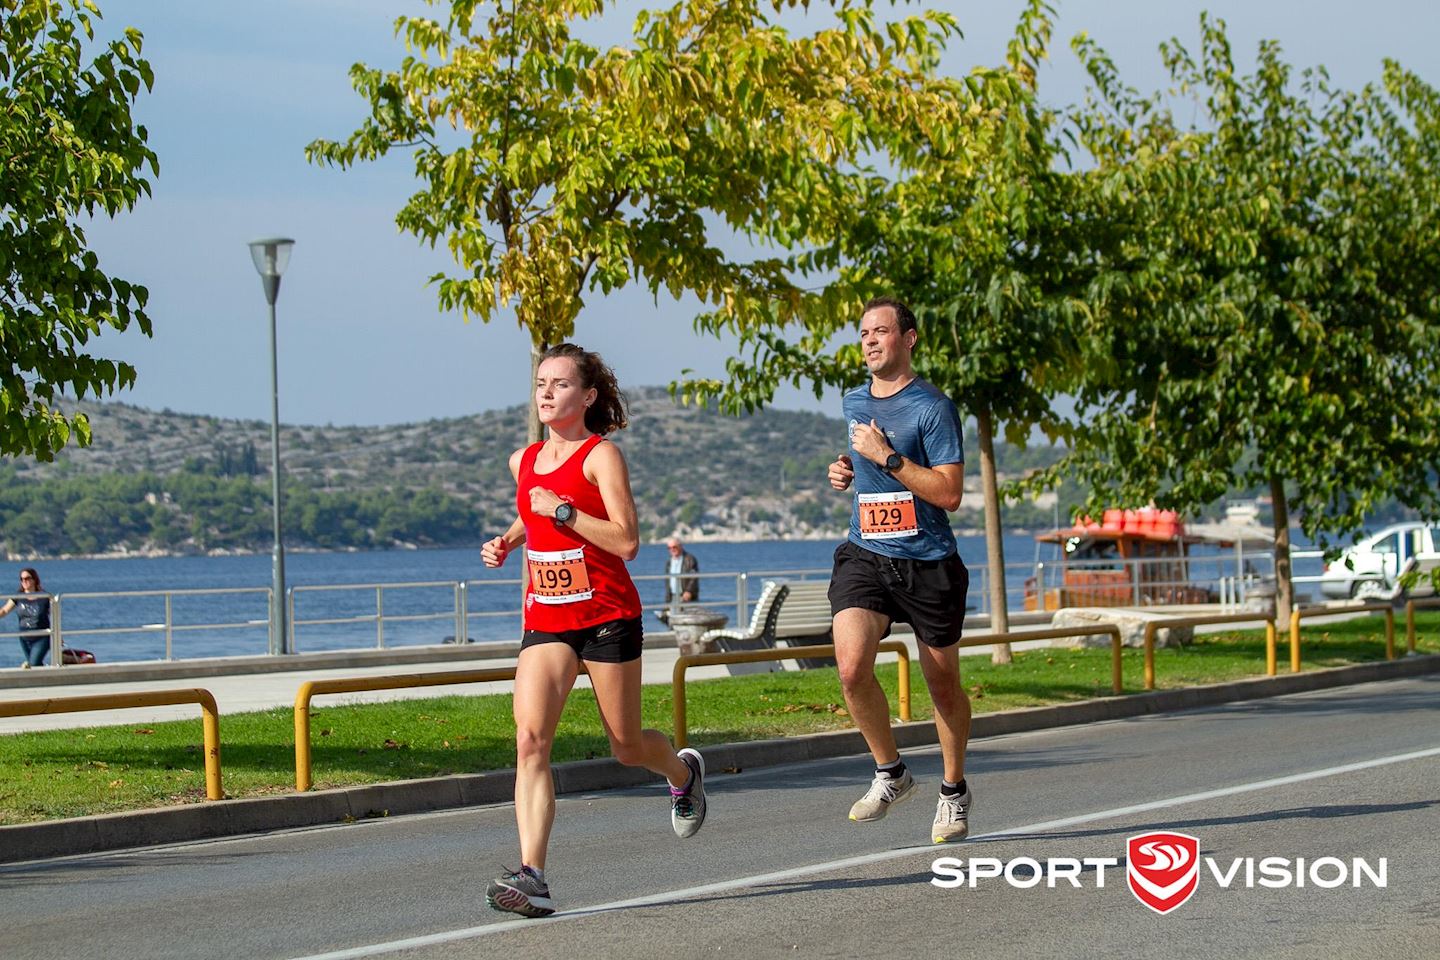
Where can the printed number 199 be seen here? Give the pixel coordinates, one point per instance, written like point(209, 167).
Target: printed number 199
point(561, 579)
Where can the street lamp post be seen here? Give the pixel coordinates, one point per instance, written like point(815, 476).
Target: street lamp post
point(271, 257)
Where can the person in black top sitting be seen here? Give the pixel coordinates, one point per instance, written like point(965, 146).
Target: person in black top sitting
point(34, 618)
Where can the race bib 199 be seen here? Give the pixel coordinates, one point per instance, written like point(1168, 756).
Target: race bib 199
point(559, 576)
point(888, 516)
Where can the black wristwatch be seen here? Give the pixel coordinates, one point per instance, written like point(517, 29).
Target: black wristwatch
point(564, 514)
point(894, 462)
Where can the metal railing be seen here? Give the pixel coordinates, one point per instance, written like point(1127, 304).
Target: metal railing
point(1155, 626)
point(210, 718)
point(489, 609)
point(456, 614)
point(1300, 613)
point(60, 603)
point(314, 688)
point(686, 661)
point(1411, 606)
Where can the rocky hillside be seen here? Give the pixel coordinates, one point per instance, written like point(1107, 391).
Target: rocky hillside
point(696, 472)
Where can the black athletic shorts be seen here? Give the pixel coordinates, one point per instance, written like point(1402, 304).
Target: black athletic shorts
point(927, 594)
point(615, 641)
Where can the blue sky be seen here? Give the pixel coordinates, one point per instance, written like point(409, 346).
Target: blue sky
point(242, 87)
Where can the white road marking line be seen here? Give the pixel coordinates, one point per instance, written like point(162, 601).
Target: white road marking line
point(485, 930)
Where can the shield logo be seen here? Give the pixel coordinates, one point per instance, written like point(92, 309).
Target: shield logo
point(1163, 869)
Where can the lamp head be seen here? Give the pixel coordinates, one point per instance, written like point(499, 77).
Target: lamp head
point(271, 256)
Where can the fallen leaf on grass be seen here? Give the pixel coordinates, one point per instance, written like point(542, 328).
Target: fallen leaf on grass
point(326, 732)
point(144, 730)
point(394, 744)
point(834, 708)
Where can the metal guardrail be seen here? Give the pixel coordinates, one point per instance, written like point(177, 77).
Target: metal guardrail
point(1099, 629)
point(1300, 613)
point(315, 688)
point(459, 605)
point(1410, 607)
point(379, 617)
point(1155, 626)
point(210, 718)
point(59, 634)
point(686, 661)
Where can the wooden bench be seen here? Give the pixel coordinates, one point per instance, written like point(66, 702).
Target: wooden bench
point(792, 613)
point(805, 615)
point(759, 635)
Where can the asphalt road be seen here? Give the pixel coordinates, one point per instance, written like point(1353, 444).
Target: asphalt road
point(779, 871)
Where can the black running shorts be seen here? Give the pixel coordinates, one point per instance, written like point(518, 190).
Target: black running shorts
point(615, 641)
point(927, 594)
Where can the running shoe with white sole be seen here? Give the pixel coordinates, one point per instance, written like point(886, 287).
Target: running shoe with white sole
point(520, 891)
point(883, 794)
point(687, 807)
point(952, 817)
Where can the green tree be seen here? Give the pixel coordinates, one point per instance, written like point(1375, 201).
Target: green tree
point(978, 232)
point(1252, 334)
point(568, 169)
point(69, 148)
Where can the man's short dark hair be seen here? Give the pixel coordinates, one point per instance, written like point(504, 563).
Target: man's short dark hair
point(903, 313)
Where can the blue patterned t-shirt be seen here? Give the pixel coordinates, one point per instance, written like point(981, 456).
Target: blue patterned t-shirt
point(922, 425)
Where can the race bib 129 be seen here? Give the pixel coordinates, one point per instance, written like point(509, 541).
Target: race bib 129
point(888, 516)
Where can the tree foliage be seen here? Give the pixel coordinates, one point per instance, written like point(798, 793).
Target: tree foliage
point(1261, 323)
point(69, 149)
point(551, 168)
point(983, 233)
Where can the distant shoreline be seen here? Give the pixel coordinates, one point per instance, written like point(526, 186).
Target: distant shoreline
point(727, 536)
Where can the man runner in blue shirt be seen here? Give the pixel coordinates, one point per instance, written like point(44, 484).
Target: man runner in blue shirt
point(899, 562)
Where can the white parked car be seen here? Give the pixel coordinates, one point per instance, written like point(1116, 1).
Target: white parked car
point(1372, 566)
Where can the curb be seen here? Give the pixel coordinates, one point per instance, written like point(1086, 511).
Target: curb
point(226, 818)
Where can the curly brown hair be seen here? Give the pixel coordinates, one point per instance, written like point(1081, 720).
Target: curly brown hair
point(608, 413)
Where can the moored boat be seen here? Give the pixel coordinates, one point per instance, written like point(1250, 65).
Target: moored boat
point(1127, 558)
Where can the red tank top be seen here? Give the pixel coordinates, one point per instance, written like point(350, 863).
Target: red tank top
point(572, 583)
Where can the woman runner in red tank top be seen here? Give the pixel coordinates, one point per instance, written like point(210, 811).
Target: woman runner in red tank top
point(576, 515)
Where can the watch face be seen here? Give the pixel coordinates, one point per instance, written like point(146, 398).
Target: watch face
point(564, 512)
point(894, 461)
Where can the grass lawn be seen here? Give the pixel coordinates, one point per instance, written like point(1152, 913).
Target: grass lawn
point(68, 773)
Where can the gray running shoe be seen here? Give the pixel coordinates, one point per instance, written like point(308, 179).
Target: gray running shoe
point(687, 809)
point(952, 817)
point(883, 794)
point(521, 892)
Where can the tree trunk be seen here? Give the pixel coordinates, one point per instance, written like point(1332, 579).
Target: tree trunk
point(1284, 588)
point(994, 539)
point(534, 433)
